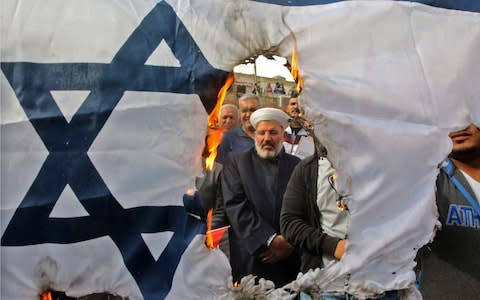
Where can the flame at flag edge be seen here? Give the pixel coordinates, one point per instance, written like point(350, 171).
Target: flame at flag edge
point(294, 68)
point(215, 133)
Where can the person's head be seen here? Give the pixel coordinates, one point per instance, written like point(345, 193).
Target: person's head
point(228, 116)
point(269, 124)
point(466, 143)
point(292, 108)
point(247, 104)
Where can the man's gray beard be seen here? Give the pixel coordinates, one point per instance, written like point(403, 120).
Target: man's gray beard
point(268, 154)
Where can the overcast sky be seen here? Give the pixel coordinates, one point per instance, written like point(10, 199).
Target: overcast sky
point(266, 68)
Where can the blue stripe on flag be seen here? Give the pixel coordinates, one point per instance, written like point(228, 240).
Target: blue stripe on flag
point(465, 5)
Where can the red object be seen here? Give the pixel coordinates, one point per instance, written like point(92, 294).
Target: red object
point(214, 236)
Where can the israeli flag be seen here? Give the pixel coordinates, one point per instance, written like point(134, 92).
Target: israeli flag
point(103, 116)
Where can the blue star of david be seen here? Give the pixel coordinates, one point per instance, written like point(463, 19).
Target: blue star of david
point(67, 143)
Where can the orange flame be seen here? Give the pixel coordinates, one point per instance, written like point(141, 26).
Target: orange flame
point(208, 235)
point(294, 69)
point(190, 191)
point(214, 132)
point(213, 141)
point(47, 295)
point(213, 236)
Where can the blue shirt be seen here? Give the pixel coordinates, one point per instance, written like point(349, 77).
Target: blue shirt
point(234, 140)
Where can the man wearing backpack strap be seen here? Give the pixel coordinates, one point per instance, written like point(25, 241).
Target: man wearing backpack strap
point(452, 269)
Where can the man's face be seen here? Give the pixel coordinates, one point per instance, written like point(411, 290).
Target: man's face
point(247, 107)
point(228, 118)
point(292, 107)
point(268, 139)
point(465, 141)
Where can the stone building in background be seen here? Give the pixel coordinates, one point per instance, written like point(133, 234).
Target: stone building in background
point(245, 83)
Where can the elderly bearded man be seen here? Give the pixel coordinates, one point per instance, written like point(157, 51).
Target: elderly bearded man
point(253, 184)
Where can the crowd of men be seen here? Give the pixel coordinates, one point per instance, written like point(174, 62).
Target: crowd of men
point(279, 197)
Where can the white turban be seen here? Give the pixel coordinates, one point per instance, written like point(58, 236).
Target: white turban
point(269, 114)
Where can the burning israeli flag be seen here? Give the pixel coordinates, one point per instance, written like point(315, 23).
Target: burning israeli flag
point(103, 113)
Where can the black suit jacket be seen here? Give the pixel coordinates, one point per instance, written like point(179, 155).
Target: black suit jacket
point(253, 201)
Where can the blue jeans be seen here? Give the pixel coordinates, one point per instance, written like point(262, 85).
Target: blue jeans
point(390, 295)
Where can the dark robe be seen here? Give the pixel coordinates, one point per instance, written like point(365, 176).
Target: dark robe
point(253, 190)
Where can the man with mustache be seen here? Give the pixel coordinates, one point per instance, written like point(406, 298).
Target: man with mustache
point(296, 138)
point(240, 138)
point(452, 269)
point(228, 117)
point(253, 184)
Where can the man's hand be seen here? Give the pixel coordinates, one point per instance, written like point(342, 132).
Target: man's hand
point(278, 250)
point(340, 249)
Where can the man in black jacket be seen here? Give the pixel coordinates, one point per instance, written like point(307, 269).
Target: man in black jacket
point(310, 218)
point(314, 219)
point(253, 184)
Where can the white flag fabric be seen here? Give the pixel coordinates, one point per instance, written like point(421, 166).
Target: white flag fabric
point(103, 117)
point(103, 121)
